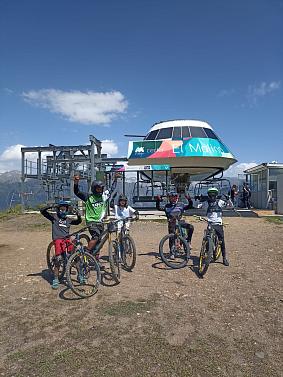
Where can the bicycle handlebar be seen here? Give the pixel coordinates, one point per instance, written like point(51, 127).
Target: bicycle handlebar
point(200, 218)
point(108, 221)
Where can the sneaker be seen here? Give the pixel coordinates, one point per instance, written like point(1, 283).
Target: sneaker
point(225, 262)
point(55, 284)
point(172, 257)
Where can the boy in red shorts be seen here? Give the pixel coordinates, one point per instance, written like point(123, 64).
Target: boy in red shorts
point(60, 229)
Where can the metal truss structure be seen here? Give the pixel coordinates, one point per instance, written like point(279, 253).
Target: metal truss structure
point(55, 166)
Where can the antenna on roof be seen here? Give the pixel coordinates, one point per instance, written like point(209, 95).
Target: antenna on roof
point(135, 135)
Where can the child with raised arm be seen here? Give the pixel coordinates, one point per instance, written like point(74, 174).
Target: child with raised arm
point(123, 211)
point(214, 206)
point(173, 210)
point(60, 230)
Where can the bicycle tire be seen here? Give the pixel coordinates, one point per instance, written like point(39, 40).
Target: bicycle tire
point(50, 259)
point(129, 266)
point(87, 262)
point(217, 250)
point(165, 256)
point(205, 257)
point(113, 254)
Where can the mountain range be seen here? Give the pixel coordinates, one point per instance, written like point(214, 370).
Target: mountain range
point(12, 190)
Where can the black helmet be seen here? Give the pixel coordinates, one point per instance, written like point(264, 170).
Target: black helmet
point(173, 197)
point(95, 185)
point(173, 193)
point(122, 197)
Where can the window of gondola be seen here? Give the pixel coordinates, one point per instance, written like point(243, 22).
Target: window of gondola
point(197, 132)
point(210, 133)
point(186, 132)
point(176, 133)
point(165, 133)
point(152, 135)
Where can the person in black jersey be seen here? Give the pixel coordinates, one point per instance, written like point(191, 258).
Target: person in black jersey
point(173, 211)
point(60, 230)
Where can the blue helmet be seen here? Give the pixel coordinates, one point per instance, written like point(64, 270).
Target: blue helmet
point(62, 214)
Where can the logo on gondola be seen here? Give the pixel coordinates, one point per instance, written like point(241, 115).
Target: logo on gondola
point(139, 150)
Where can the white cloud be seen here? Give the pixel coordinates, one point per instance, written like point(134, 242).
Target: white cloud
point(236, 169)
point(259, 91)
point(11, 153)
point(109, 147)
point(226, 92)
point(82, 107)
point(10, 158)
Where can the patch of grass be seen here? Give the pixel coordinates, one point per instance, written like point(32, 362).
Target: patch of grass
point(17, 356)
point(45, 363)
point(12, 212)
point(278, 220)
point(38, 226)
point(129, 308)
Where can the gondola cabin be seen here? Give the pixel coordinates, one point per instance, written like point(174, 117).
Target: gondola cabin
point(184, 146)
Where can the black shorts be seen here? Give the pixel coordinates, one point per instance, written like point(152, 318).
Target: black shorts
point(95, 230)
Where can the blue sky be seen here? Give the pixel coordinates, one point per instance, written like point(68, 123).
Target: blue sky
point(69, 69)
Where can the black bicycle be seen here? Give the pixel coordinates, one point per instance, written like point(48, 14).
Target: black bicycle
point(174, 249)
point(82, 269)
point(61, 261)
point(210, 248)
point(113, 256)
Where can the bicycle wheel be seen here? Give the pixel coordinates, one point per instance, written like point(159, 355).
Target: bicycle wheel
point(84, 239)
point(174, 251)
point(205, 256)
point(51, 260)
point(83, 274)
point(129, 253)
point(113, 253)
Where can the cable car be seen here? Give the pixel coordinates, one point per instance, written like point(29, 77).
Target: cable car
point(183, 146)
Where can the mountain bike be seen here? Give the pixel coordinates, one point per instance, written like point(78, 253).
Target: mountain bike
point(113, 257)
point(174, 249)
point(62, 260)
point(82, 269)
point(210, 248)
point(124, 246)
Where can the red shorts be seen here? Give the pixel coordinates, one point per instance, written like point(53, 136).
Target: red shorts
point(62, 245)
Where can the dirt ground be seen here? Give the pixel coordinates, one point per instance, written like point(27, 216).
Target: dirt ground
point(157, 321)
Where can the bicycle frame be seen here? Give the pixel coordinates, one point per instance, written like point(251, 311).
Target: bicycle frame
point(210, 234)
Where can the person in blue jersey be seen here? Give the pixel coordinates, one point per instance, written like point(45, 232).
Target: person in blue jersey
point(173, 211)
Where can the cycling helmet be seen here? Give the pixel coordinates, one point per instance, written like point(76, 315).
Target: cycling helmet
point(173, 196)
point(123, 197)
point(60, 213)
point(173, 193)
point(212, 192)
point(96, 185)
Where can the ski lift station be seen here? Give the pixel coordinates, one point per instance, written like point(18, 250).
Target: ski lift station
point(266, 184)
point(169, 156)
